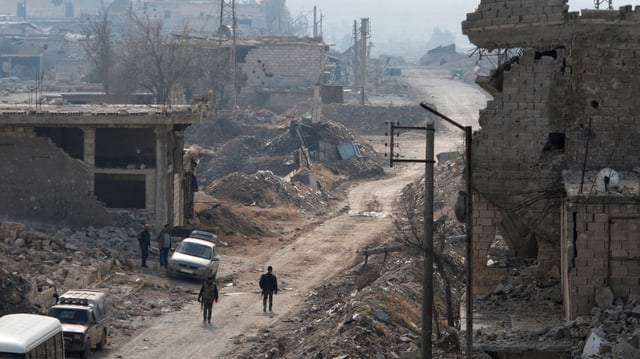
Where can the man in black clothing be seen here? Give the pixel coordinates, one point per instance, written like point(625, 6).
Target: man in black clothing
point(144, 239)
point(269, 286)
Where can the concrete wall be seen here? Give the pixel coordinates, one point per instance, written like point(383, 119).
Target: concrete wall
point(142, 177)
point(577, 77)
point(40, 181)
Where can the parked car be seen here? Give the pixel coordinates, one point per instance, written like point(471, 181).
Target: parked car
point(85, 317)
point(194, 258)
point(207, 236)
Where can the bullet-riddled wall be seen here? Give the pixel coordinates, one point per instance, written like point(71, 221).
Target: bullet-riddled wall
point(282, 71)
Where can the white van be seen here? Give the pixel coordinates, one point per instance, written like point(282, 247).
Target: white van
point(30, 336)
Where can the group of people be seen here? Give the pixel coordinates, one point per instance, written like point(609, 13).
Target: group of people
point(164, 244)
point(209, 293)
point(209, 290)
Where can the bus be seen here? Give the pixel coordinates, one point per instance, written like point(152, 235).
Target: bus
point(30, 336)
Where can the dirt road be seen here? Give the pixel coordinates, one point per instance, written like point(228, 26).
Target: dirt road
point(301, 264)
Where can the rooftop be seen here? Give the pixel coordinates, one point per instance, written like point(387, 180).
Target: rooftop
point(604, 184)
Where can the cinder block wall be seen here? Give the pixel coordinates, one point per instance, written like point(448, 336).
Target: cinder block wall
point(578, 76)
point(284, 64)
point(485, 219)
point(604, 252)
point(57, 191)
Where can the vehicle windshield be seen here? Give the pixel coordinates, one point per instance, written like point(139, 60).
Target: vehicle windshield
point(70, 316)
point(203, 235)
point(194, 249)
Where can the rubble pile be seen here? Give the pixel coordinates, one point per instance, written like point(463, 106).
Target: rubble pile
point(374, 120)
point(235, 147)
point(60, 260)
point(528, 314)
point(370, 311)
point(264, 189)
point(231, 223)
point(37, 264)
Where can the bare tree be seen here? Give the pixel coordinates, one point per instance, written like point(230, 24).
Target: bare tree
point(278, 18)
point(409, 224)
point(155, 60)
point(99, 46)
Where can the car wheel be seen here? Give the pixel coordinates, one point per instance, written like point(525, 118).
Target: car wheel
point(103, 342)
point(87, 350)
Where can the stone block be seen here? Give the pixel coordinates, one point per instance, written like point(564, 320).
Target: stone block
point(604, 297)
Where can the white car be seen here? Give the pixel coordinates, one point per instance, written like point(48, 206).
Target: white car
point(207, 236)
point(194, 258)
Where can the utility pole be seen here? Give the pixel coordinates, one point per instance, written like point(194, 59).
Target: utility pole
point(315, 23)
point(597, 4)
point(364, 35)
point(427, 242)
point(228, 23)
point(356, 61)
point(317, 31)
point(468, 134)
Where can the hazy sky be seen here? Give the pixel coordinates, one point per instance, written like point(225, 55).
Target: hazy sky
point(394, 20)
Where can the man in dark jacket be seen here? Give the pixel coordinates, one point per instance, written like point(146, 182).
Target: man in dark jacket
point(208, 295)
point(144, 239)
point(164, 244)
point(269, 286)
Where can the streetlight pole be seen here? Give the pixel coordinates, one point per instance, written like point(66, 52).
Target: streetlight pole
point(468, 226)
point(427, 278)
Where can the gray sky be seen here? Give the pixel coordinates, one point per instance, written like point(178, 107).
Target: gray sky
point(395, 20)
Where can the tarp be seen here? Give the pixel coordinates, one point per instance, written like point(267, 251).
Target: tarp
point(349, 150)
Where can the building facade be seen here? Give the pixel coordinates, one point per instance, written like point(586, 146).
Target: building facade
point(82, 165)
point(564, 103)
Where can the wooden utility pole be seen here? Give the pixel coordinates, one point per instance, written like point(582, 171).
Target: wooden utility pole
point(427, 242)
point(468, 134)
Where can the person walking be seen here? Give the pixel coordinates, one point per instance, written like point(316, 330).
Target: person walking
point(144, 240)
point(164, 244)
point(208, 295)
point(269, 285)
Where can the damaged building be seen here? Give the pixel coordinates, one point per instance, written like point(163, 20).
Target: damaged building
point(82, 165)
point(555, 162)
point(282, 71)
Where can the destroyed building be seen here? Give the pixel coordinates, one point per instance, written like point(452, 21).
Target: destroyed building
point(555, 165)
point(282, 71)
point(82, 165)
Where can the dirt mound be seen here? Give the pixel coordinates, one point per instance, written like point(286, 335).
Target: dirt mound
point(264, 189)
point(267, 142)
